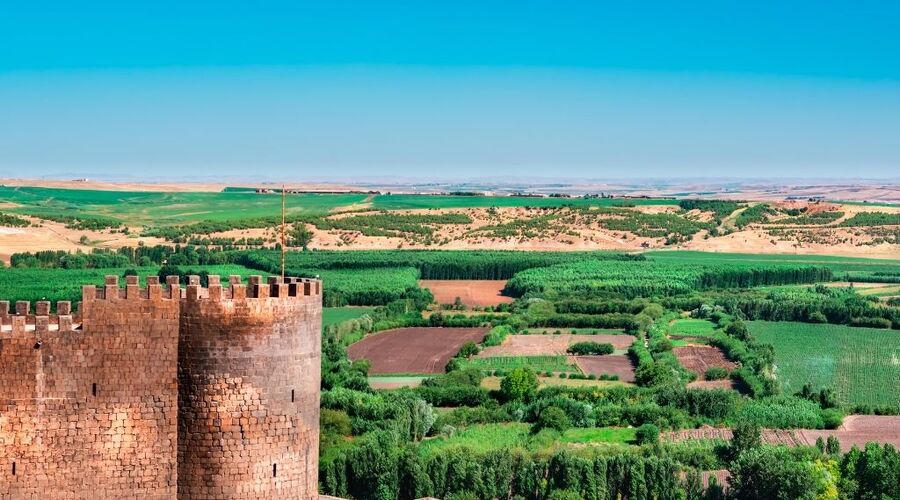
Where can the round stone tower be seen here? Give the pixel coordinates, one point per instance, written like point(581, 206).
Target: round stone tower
point(248, 371)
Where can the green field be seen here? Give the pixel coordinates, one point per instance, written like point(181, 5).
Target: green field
point(692, 327)
point(65, 284)
point(620, 435)
point(154, 208)
point(335, 315)
point(537, 363)
point(861, 364)
point(172, 208)
point(486, 437)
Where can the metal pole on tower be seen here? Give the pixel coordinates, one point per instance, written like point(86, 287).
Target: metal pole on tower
point(283, 238)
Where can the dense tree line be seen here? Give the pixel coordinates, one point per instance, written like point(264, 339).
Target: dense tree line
point(139, 256)
point(622, 279)
point(382, 468)
point(432, 264)
point(818, 305)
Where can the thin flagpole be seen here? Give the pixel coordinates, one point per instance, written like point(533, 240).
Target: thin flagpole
point(283, 238)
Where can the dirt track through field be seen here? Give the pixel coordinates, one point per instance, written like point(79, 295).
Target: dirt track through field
point(478, 293)
point(614, 364)
point(548, 345)
point(413, 350)
point(856, 430)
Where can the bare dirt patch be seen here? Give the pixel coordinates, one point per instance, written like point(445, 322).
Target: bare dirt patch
point(615, 364)
point(478, 293)
point(698, 358)
point(413, 350)
point(857, 430)
point(546, 345)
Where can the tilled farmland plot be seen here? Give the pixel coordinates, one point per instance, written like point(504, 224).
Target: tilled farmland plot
point(614, 364)
point(413, 350)
point(700, 358)
point(470, 292)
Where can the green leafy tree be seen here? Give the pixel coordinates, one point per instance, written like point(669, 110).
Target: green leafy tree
point(554, 418)
point(772, 473)
point(519, 384)
point(738, 330)
point(299, 236)
point(468, 350)
point(832, 445)
point(540, 310)
point(647, 434)
point(746, 435)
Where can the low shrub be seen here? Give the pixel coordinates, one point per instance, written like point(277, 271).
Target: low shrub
point(590, 348)
point(716, 373)
point(647, 434)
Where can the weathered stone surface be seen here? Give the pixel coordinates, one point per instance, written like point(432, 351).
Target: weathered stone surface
point(162, 394)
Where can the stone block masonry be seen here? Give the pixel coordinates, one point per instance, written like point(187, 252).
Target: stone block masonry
point(163, 392)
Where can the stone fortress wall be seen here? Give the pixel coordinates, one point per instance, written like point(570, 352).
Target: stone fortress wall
point(163, 392)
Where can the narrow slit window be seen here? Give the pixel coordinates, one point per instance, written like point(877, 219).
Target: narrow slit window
point(292, 395)
point(14, 469)
point(274, 470)
point(94, 389)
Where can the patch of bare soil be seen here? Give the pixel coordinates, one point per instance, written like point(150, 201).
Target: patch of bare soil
point(49, 235)
point(699, 358)
point(478, 293)
point(413, 350)
point(857, 430)
point(614, 364)
point(550, 345)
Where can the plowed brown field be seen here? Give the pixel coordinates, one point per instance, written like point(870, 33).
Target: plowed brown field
point(700, 358)
point(471, 292)
point(615, 364)
point(413, 350)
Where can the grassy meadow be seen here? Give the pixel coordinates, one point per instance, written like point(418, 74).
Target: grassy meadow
point(486, 437)
point(335, 315)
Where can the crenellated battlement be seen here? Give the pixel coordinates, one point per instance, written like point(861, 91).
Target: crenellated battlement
point(233, 289)
point(21, 318)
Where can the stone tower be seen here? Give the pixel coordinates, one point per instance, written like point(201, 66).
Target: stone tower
point(163, 392)
point(248, 373)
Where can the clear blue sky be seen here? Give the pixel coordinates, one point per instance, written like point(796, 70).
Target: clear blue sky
point(467, 89)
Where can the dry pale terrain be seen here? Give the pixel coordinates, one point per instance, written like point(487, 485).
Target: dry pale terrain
point(563, 229)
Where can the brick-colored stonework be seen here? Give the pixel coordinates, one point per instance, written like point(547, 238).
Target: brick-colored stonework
point(163, 392)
